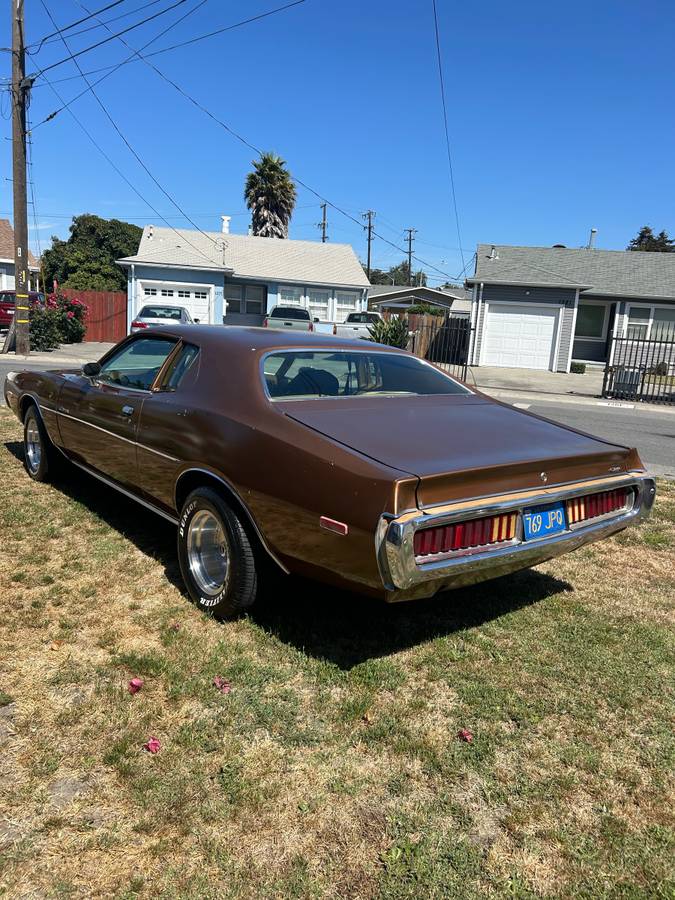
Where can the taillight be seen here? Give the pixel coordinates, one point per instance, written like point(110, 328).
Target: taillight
point(465, 535)
point(264, 325)
point(139, 324)
point(311, 326)
point(581, 509)
point(334, 328)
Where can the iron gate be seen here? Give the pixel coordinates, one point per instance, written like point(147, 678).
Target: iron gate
point(444, 341)
point(642, 366)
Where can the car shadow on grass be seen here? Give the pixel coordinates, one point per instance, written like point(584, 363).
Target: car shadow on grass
point(348, 629)
point(321, 621)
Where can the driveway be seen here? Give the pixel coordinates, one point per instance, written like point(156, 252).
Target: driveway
point(535, 381)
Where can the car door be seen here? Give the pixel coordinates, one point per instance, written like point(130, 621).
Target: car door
point(99, 415)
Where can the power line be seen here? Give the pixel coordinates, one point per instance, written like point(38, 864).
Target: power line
point(110, 70)
point(59, 31)
point(49, 39)
point(74, 56)
point(128, 144)
point(447, 132)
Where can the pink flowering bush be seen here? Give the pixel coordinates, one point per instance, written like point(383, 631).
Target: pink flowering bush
point(59, 320)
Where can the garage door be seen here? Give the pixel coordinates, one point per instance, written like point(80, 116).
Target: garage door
point(194, 299)
point(519, 336)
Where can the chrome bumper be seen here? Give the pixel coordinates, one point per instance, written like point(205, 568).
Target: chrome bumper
point(404, 578)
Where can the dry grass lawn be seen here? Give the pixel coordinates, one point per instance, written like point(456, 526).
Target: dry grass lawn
point(332, 768)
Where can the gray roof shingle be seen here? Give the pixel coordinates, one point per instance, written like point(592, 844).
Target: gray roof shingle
point(308, 262)
point(621, 273)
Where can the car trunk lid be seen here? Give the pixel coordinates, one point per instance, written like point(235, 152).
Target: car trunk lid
point(461, 446)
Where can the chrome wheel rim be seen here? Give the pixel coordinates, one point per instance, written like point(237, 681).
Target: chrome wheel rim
point(33, 445)
point(208, 552)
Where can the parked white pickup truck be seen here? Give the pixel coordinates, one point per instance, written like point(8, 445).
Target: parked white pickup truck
point(289, 317)
point(357, 325)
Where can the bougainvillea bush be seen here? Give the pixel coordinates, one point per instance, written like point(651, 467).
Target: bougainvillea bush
point(59, 320)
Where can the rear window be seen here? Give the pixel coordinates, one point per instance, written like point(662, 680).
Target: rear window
point(284, 312)
point(160, 312)
point(304, 375)
point(6, 297)
point(363, 318)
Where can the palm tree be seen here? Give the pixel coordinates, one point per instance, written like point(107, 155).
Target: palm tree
point(270, 195)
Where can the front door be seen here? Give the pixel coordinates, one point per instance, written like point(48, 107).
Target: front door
point(98, 417)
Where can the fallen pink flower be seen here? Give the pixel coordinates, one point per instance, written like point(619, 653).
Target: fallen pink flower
point(153, 745)
point(135, 685)
point(222, 684)
point(174, 626)
point(465, 735)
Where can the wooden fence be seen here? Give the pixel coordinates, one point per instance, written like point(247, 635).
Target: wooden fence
point(107, 315)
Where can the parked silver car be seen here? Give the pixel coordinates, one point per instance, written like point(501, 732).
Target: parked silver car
point(159, 314)
point(289, 317)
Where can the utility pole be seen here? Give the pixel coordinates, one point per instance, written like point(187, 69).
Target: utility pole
point(323, 224)
point(411, 232)
point(19, 92)
point(370, 215)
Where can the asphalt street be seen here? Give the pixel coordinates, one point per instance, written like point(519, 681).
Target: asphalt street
point(649, 428)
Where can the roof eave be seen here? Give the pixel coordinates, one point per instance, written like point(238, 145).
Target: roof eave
point(130, 260)
point(570, 285)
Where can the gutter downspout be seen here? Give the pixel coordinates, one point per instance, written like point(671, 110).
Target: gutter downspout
point(474, 323)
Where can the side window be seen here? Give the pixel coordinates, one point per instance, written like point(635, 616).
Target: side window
point(137, 364)
point(179, 367)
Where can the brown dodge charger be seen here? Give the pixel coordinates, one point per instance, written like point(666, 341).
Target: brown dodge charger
point(350, 462)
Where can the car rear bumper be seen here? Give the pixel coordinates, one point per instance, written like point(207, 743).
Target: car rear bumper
point(406, 578)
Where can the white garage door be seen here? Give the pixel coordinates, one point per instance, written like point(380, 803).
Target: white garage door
point(194, 299)
point(519, 336)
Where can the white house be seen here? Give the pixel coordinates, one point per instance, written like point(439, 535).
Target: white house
point(236, 279)
point(7, 259)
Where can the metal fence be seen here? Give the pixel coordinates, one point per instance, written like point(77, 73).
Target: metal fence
point(443, 340)
point(641, 365)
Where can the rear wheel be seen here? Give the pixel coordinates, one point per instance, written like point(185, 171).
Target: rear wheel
point(40, 455)
point(216, 558)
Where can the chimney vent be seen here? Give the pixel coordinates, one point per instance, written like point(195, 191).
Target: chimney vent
point(226, 224)
point(493, 253)
point(591, 239)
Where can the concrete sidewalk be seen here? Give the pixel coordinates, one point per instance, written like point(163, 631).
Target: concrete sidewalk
point(71, 355)
point(534, 381)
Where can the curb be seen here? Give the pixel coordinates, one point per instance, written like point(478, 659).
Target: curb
point(520, 396)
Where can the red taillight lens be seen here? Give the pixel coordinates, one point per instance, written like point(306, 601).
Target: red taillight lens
point(138, 324)
point(580, 509)
point(311, 326)
point(334, 329)
point(465, 535)
point(264, 325)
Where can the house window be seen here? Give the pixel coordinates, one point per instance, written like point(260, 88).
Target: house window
point(166, 292)
point(150, 292)
point(318, 304)
point(255, 298)
point(201, 295)
point(184, 294)
point(663, 325)
point(591, 321)
point(290, 296)
point(233, 294)
point(346, 302)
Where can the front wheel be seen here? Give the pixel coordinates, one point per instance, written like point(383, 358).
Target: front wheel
point(39, 453)
point(216, 558)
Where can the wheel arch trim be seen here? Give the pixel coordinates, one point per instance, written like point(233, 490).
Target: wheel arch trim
point(198, 470)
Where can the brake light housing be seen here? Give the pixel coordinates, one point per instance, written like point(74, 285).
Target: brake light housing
point(138, 324)
point(591, 506)
point(467, 536)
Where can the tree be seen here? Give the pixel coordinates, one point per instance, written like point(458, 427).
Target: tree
point(647, 240)
point(86, 261)
point(270, 195)
point(397, 276)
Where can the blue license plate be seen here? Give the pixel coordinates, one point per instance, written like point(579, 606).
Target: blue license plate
point(543, 521)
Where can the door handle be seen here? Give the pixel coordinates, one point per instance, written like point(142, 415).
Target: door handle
point(127, 410)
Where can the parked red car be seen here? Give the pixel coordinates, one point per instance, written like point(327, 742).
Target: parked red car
point(7, 301)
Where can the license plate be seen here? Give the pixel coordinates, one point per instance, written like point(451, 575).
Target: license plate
point(543, 521)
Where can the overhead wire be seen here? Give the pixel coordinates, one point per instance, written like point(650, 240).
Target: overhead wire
point(49, 39)
point(447, 131)
point(59, 31)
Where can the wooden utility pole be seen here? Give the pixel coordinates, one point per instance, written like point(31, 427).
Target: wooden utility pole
point(19, 92)
point(370, 215)
point(411, 232)
point(324, 224)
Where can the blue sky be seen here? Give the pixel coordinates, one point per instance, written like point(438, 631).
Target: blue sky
point(560, 119)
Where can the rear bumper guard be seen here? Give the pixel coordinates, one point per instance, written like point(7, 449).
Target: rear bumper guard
point(405, 577)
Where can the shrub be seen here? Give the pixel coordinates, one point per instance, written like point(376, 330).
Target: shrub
point(427, 309)
point(393, 332)
point(70, 315)
point(44, 328)
point(578, 368)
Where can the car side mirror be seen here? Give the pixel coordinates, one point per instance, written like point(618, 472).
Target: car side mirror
point(316, 319)
point(91, 369)
point(196, 321)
